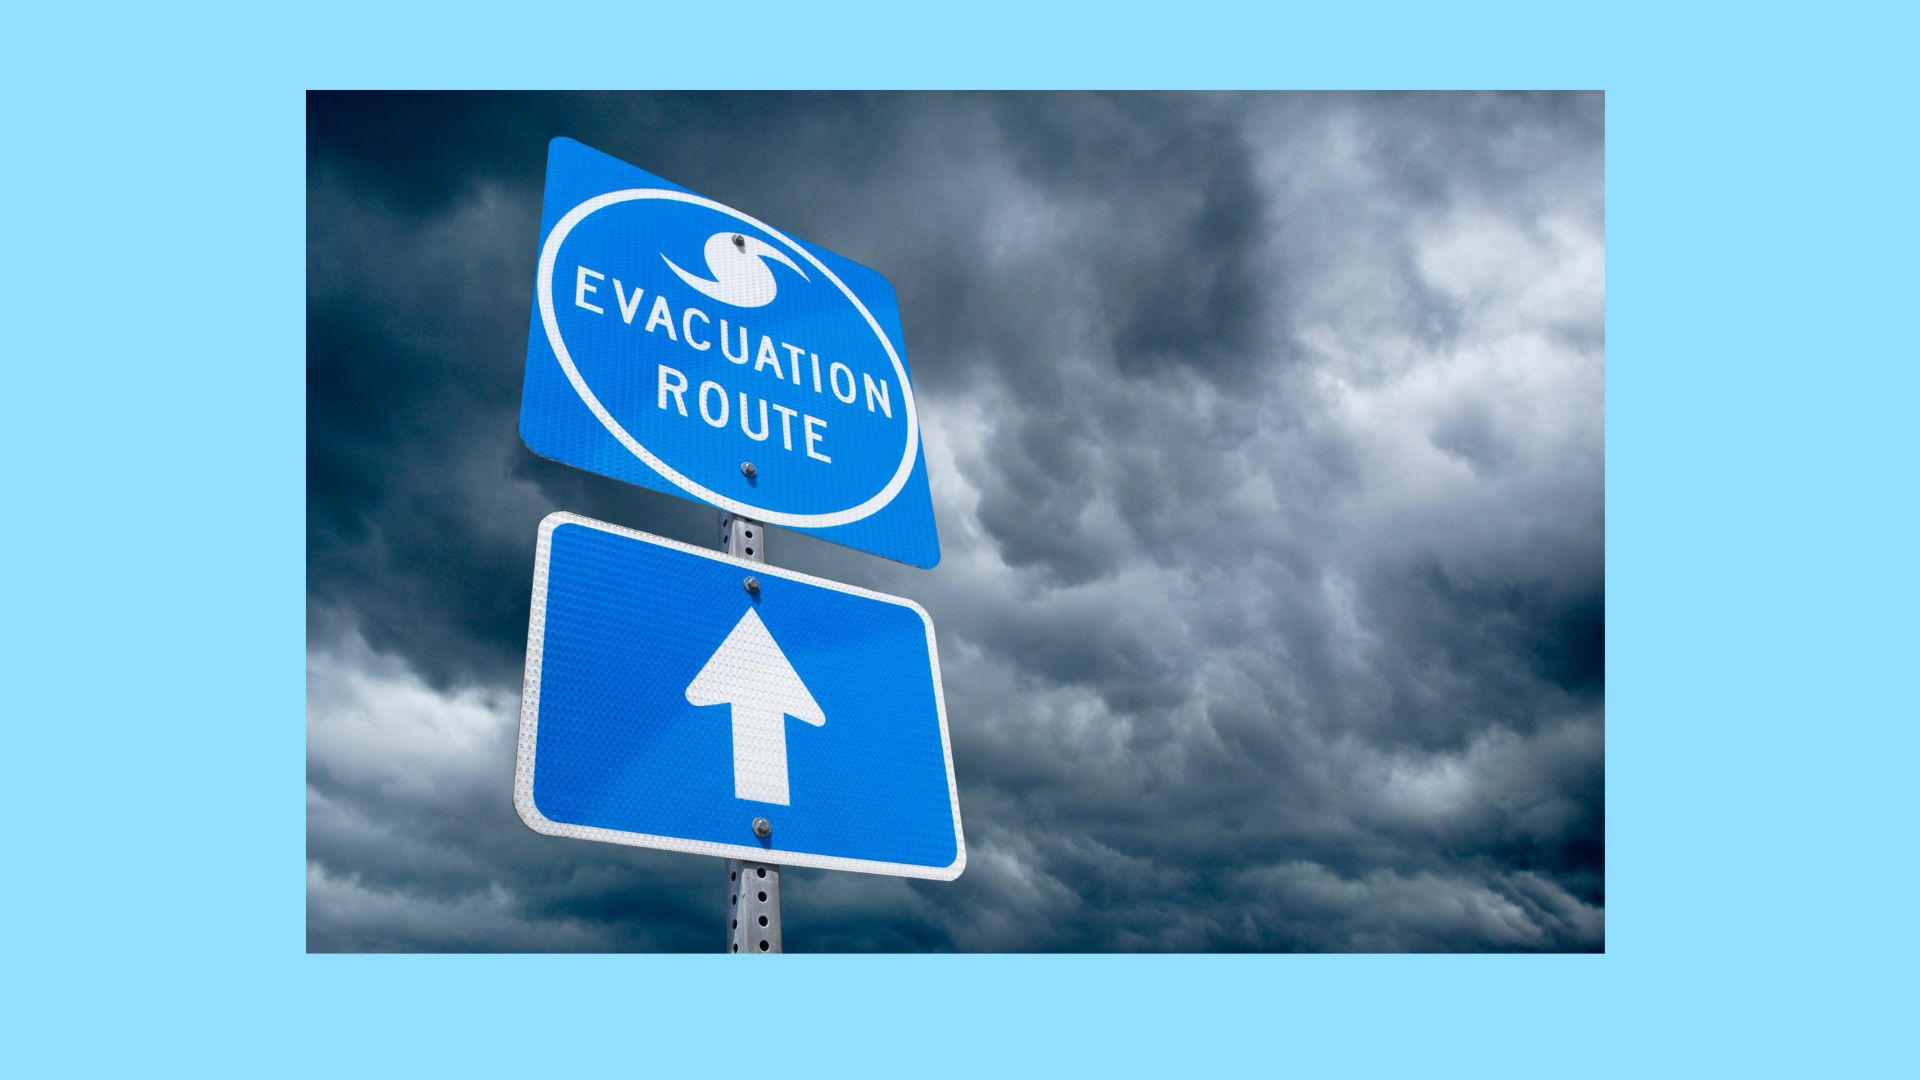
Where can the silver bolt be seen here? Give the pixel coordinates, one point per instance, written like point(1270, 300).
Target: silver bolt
point(762, 828)
point(739, 241)
point(752, 584)
point(747, 469)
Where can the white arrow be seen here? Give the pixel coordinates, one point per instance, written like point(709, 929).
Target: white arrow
point(749, 672)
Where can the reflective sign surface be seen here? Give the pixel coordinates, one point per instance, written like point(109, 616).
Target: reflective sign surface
point(684, 346)
point(668, 706)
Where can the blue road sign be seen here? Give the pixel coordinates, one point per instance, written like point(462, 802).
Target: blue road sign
point(668, 706)
point(683, 346)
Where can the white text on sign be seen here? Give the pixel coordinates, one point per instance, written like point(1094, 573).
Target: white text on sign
point(712, 401)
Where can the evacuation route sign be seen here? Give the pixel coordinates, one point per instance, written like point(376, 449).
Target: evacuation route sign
point(684, 346)
point(668, 706)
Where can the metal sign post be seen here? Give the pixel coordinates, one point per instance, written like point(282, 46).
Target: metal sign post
point(753, 889)
point(709, 702)
point(753, 907)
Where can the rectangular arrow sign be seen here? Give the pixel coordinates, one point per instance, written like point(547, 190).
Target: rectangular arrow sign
point(684, 346)
point(667, 705)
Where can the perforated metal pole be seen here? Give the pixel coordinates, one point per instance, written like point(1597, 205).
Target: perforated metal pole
point(753, 889)
point(753, 907)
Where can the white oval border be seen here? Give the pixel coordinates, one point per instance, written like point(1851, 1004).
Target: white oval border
point(550, 253)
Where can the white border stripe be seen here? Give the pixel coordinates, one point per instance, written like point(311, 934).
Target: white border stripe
point(530, 722)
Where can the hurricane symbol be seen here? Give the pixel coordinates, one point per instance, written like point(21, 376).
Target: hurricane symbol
point(741, 277)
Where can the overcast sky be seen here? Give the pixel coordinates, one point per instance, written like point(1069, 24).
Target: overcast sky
point(1265, 437)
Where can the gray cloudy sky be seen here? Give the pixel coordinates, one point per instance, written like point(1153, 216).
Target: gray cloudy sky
point(1265, 436)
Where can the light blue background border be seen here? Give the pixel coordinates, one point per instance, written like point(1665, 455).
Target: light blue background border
point(1760, 547)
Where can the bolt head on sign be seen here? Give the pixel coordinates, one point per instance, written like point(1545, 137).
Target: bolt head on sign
point(675, 340)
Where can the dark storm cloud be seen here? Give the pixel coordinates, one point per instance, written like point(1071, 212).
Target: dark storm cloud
point(1177, 280)
point(1265, 433)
